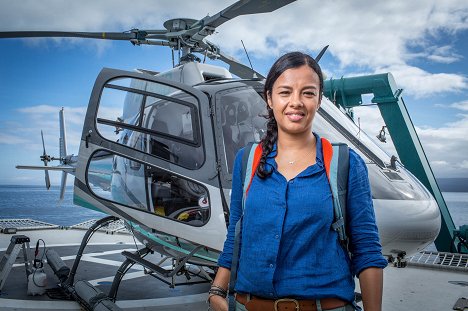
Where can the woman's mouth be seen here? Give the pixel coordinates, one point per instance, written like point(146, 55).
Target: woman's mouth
point(295, 116)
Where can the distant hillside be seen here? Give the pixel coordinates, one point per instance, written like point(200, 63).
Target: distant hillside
point(453, 184)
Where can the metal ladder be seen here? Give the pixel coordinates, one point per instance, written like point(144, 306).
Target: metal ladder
point(17, 243)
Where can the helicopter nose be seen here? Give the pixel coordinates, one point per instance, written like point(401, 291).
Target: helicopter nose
point(407, 225)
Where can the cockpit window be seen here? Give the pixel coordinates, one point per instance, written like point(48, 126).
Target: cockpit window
point(153, 190)
point(154, 118)
point(240, 112)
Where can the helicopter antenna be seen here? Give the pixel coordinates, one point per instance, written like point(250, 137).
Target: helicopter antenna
point(247, 55)
point(319, 56)
point(173, 63)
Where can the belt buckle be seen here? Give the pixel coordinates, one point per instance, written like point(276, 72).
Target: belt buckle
point(286, 300)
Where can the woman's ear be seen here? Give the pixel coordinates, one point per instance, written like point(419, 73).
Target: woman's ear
point(268, 94)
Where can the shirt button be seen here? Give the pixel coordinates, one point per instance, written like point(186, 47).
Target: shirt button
point(271, 294)
point(276, 236)
point(271, 265)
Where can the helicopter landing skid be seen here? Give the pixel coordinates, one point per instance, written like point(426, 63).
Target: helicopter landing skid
point(179, 267)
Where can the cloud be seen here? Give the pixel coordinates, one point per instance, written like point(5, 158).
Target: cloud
point(44, 118)
point(10, 139)
point(446, 147)
point(439, 54)
point(463, 105)
point(420, 83)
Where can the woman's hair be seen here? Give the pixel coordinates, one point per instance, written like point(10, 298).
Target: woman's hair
point(285, 62)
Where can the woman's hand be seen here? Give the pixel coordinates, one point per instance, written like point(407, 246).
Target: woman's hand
point(221, 281)
point(218, 303)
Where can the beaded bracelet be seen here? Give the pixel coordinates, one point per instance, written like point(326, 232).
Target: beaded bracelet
point(213, 286)
point(216, 291)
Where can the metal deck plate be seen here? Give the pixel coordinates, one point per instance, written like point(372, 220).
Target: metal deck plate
point(25, 224)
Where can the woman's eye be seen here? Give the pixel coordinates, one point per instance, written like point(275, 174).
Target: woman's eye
point(284, 93)
point(309, 93)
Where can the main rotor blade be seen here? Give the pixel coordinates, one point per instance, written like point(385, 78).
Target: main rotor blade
point(239, 69)
point(244, 7)
point(204, 27)
point(66, 34)
point(133, 34)
point(319, 56)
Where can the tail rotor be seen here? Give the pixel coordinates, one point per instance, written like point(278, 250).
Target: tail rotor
point(45, 158)
point(67, 161)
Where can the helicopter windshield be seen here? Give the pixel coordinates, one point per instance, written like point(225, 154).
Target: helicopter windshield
point(345, 130)
point(240, 112)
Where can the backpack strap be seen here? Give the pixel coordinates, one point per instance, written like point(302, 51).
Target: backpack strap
point(250, 161)
point(336, 159)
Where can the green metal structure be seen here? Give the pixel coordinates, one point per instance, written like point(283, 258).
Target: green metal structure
point(347, 93)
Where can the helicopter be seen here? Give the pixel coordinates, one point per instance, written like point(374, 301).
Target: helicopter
point(157, 148)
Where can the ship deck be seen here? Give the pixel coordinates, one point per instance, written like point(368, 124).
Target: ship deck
point(416, 287)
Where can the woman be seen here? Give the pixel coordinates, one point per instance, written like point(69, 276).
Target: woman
point(289, 254)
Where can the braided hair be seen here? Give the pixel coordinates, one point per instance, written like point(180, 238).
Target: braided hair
point(285, 62)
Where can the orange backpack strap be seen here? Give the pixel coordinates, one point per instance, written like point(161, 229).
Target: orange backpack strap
point(327, 151)
point(257, 154)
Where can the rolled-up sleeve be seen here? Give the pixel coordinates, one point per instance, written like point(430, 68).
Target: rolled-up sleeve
point(235, 212)
point(365, 246)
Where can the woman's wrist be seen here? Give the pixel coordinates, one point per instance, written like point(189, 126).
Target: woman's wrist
point(218, 287)
point(216, 290)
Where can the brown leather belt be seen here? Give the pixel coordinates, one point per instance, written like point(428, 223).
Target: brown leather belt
point(260, 304)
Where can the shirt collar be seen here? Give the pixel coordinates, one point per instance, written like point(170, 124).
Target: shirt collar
point(318, 157)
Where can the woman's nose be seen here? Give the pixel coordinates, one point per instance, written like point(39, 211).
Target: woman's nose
point(296, 100)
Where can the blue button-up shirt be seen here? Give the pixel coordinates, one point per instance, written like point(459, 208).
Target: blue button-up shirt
point(288, 248)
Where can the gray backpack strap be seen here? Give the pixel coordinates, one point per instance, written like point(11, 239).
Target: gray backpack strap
point(339, 171)
point(246, 174)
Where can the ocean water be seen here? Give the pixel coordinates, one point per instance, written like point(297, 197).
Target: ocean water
point(457, 203)
point(36, 202)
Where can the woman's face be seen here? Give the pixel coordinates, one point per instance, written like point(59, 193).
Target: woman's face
point(294, 99)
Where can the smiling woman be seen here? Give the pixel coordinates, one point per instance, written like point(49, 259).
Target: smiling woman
point(289, 253)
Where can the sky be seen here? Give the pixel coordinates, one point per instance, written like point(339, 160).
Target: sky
point(423, 43)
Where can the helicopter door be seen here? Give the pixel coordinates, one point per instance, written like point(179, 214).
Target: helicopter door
point(146, 156)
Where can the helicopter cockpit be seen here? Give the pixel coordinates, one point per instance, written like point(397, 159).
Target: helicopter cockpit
point(160, 121)
point(241, 119)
